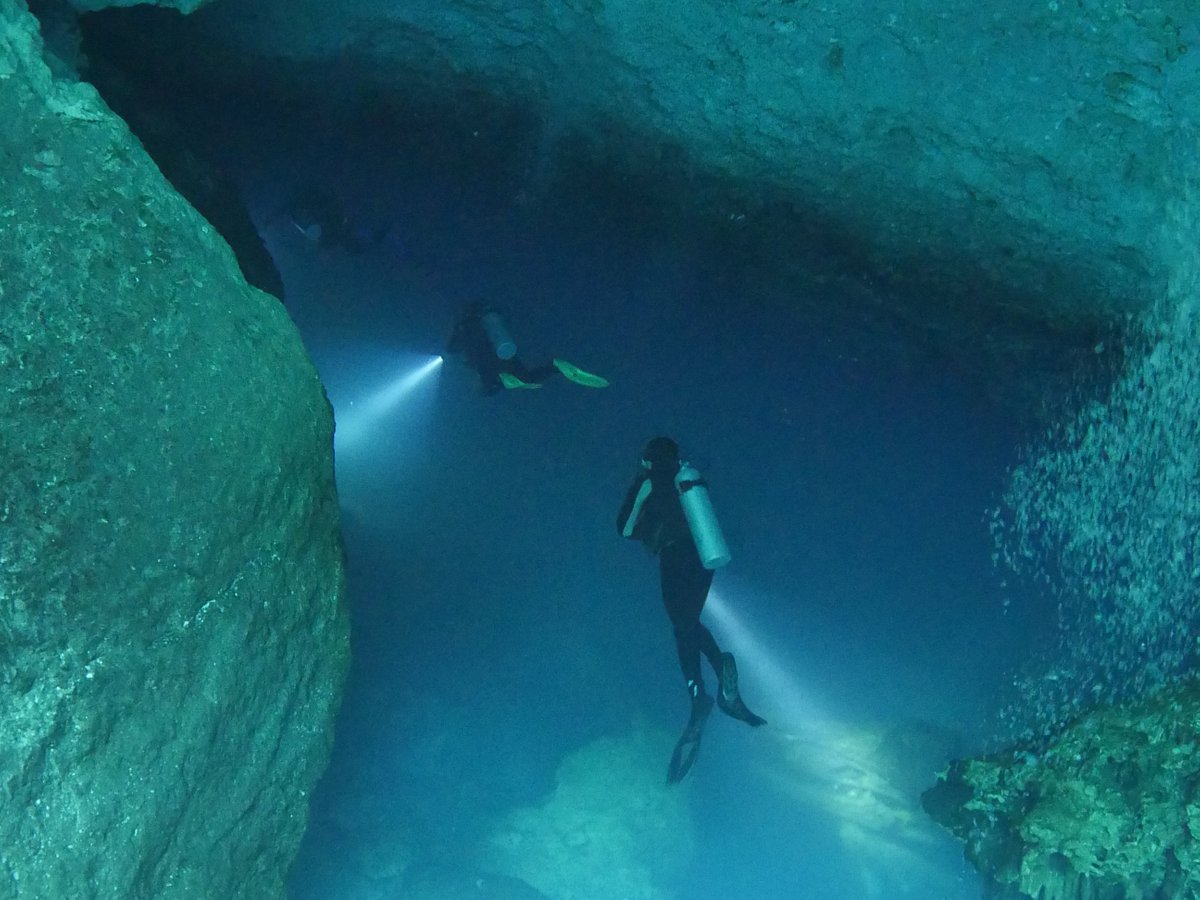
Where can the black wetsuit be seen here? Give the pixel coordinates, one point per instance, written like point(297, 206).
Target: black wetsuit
point(470, 340)
point(662, 527)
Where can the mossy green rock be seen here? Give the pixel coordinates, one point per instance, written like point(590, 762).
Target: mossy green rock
point(1108, 809)
point(172, 633)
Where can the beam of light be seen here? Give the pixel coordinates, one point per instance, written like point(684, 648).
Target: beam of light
point(357, 420)
point(793, 707)
point(852, 772)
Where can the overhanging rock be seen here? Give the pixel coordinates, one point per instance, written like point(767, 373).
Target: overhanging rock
point(999, 154)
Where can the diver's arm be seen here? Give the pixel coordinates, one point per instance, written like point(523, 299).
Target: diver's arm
point(631, 509)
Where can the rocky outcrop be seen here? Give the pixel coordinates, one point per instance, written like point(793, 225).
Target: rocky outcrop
point(610, 829)
point(1106, 811)
point(172, 631)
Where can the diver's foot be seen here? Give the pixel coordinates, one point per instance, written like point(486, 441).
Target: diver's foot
point(577, 375)
point(729, 677)
point(688, 746)
point(729, 699)
point(702, 705)
point(682, 759)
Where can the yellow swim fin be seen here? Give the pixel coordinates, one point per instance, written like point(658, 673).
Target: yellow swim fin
point(511, 382)
point(577, 375)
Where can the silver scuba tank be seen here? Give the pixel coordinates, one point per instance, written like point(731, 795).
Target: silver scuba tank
point(701, 519)
point(497, 334)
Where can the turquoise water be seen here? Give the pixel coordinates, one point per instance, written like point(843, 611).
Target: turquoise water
point(501, 628)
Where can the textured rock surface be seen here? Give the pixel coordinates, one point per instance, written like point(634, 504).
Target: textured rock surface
point(172, 635)
point(994, 154)
point(611, 828)
point(1107, 810)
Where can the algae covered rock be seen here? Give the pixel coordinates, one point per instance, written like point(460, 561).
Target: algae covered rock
point(1107, 810)
point(611, 828)
point(172, 631)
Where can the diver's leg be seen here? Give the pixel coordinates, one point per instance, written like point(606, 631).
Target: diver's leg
point(540, 374)
point(695, 582)
point(729, 697)
point(515, 374)
point(688, 649)
point(488, 368)
point(683, 592)
point(679, 593)
point(708, 646)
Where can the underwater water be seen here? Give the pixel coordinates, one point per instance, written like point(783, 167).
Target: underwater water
point(515, 694)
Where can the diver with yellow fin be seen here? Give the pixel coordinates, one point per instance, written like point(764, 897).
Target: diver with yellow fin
point(482, 339)
point(667, 508)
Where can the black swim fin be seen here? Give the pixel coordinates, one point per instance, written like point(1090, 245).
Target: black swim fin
point(688, 746)
point(728, 697)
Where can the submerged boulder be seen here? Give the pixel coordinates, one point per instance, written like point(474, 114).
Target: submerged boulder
point(611, 828)
point(1108, 809)
point(173, 637)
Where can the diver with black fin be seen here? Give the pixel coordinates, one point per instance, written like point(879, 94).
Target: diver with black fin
point(482, 339)
point(668, 509)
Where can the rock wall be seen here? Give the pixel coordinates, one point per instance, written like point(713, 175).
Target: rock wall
point(1105, 811)
point(994, 155)
point(172, 632)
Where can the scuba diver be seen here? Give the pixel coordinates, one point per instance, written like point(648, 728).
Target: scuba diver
point(667, 508)
point(322, 220)
point(481, 338)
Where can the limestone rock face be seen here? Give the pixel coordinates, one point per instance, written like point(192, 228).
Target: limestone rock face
point(1107, 810)
point(172, 631)
point(978, 151)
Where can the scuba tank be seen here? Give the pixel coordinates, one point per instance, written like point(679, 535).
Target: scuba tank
point(698, 510)
point(497, 334)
